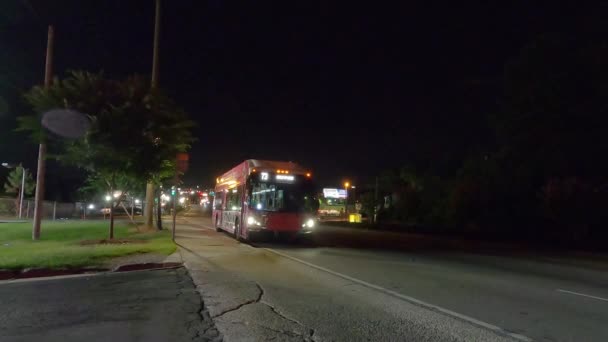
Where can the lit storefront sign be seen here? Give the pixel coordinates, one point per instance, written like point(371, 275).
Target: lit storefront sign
point(334, 193)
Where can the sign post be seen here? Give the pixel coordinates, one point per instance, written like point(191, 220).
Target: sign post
point(181, 166)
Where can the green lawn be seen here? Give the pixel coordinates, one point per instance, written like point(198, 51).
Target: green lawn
point(59, 246)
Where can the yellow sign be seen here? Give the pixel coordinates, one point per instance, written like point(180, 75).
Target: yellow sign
point(354, 218)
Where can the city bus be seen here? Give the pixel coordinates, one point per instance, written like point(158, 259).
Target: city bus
point(263, 196)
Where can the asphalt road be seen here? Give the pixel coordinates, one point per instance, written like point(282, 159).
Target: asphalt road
point(134, 306)
point(541, 298)
point(542, 301)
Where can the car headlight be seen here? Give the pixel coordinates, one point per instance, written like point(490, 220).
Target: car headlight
point(310, 223)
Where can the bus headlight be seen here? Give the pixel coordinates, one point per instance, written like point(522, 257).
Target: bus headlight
point(252, 220)
point(310, 223)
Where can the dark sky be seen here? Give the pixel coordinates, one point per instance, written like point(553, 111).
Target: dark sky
point(344, 89)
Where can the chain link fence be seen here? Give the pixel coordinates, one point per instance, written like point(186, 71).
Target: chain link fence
point(9, 207)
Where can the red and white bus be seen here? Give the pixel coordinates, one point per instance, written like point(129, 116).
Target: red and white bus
point(260, 196)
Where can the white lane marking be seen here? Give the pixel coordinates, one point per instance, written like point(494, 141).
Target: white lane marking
point(582, 294)
point(412, 300)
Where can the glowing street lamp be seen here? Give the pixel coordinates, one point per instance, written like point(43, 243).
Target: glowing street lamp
point(346, 185)
point(108, 198)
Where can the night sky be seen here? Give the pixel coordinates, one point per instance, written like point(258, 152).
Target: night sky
point(346, 90)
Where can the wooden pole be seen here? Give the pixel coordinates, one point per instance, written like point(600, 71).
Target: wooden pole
point(148, 210)
point(155, 61)
point(159, 212)
point(48, 79)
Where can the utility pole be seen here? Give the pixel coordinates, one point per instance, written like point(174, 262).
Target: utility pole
point(148, 212)
point(155, 61)
point(376, 201)
point(174, 211)
point(48, 79)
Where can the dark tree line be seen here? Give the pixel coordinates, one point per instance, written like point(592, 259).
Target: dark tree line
point(544, 175)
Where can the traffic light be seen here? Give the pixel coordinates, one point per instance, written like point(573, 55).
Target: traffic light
point(173, 192)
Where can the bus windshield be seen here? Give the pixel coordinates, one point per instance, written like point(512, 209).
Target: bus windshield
point(299, 197)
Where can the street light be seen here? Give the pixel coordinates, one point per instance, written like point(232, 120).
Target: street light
point(346, 185)
point(108, 198)
point(23, 171)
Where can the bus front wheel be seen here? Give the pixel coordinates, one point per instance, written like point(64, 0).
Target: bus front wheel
point(217, 224)
point(239, 235)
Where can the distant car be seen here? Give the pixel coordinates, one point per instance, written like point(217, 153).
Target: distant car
point(105, 211)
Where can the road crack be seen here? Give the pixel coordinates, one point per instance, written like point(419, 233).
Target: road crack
point(280, 314)
point(282, 332)
point(249, 302)
point(201, 326)
point(259, 299)
point(311, 332)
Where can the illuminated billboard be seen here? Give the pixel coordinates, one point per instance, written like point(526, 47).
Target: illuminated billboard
point(334, 193)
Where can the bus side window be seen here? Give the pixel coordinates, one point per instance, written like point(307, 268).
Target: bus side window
point(233, 199)
point(218, 201)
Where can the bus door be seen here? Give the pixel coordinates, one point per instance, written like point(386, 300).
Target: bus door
point(218, 207)
point(234, 204)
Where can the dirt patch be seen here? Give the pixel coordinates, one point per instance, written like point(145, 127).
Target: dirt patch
point(111, 242)
point(131, 259)
point(7, 274)
point(46, 272)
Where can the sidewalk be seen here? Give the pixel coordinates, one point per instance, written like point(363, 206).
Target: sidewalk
point(236, 304)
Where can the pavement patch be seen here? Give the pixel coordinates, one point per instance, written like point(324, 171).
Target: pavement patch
point(160, 305)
